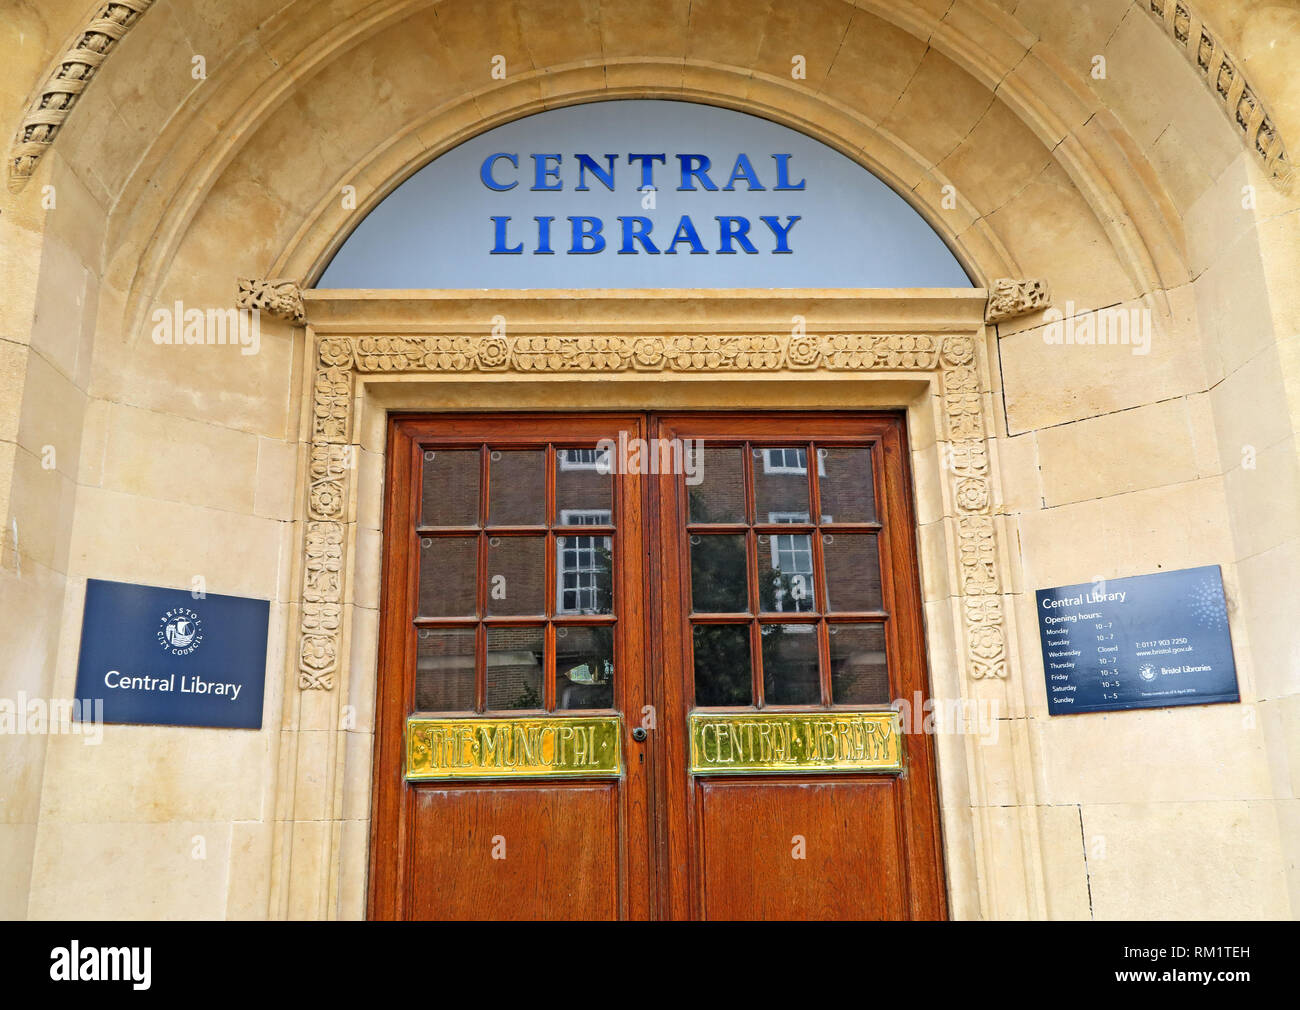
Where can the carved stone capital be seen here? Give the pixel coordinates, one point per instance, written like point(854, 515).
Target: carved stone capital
point(1009, 298)
point(66, 81)
point(277, 296)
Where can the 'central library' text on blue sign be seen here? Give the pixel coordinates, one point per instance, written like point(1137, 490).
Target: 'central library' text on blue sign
point(167, 657)
point(642, 194)
point(635, 234)
point(1146, 641)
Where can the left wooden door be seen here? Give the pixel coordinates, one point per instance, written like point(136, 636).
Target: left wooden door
point(512, 631)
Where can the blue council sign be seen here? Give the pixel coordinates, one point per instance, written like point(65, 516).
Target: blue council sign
point(162, 657)
point(1148, 641)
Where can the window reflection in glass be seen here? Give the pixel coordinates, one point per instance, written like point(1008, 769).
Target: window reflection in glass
point(584, 667)
point(722, 664)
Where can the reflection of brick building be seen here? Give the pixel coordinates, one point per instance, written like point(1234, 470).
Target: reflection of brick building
point(515, 578)
point(787, 580)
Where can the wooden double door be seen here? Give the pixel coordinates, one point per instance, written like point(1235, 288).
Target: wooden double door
point(641, 666)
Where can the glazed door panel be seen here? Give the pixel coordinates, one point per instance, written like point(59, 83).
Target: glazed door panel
point(513, 616)
point(790, 614)
point(738, 594)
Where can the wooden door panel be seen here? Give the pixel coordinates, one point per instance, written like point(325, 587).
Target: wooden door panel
point(508, 851)
point(853, 641)
point(751, 830)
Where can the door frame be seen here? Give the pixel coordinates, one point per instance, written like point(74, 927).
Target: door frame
point(366, 353)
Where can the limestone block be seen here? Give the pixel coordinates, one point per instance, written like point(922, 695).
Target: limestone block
point(938, 85)
point(131, 539)
point(557, 32)
point(1065, 865)
point(814, 30)
point(1171, 527)
point(1128, 450)
point(1270, 615)
point(178, 460)
point(873, 65)
point(1264, 499)
point(51, 424)
point(248, 889)
point(989, 182)
point(1052, 232)
point(1192, 860)
point(1183, 754)
point(157, 774)
point(124, 871)
point(275, 494)
point(1054, 383)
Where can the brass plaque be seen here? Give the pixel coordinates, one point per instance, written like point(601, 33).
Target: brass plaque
point(523, 747)
point(739, 743)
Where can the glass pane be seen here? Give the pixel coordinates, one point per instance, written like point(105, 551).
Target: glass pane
point(844, 476)
point(584, 575)
point(787, 583)
point(450, 488)
point(514, 668)
point(717, 489)
point(790, 664)
point(582, 487)
point(517, 488)
point(722, 666)
point(852, 571)
point(444, 670)
point(447, 566)
point(859, 675)
point(718, 574)
point(516, 574)
point(584, 667)
point(781, 485)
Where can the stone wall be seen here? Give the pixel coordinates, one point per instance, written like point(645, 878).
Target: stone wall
point(1136, 190)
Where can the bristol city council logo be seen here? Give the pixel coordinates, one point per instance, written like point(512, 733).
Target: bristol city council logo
point(180, 631)
point(1147, 672)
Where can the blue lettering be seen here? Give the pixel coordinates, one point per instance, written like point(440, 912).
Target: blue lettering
point(544, 236)
point(782, 234)
point(637, 229)
point(585, 163)
point(744, 170)
point(737, 228)
point(783, 173)
point(500, 247)
point(686, 233)
point(585, 228)
point(544, 173)
point(647, 167)
point(485, 172)
point(695, 167)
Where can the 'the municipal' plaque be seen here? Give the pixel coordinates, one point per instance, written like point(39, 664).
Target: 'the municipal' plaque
point(1148, 641)
point(165, 657)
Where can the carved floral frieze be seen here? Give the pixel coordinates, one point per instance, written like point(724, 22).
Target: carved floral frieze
point(338, 358)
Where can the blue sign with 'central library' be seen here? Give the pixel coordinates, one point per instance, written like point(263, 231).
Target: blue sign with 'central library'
point(165, 657)
point(1147, 641)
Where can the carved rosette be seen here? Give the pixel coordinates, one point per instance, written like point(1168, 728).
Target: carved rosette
point(330, 462)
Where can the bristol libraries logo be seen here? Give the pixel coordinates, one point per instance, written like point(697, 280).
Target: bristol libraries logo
point(180, 631)
point(1147, 672)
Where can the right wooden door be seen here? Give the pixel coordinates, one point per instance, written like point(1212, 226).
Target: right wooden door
point(788, 622)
